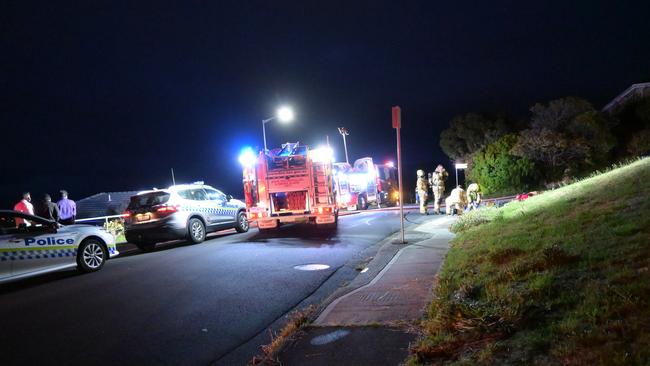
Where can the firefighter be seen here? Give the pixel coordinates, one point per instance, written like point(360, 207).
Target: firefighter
point(456, 201)
point(437, 182)
point(473, 196)
point(422, 188)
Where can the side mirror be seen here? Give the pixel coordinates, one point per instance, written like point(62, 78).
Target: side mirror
point(230, 198)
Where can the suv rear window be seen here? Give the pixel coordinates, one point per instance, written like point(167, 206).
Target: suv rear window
point(148, 200)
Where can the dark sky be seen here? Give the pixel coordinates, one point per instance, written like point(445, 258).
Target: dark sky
point(107, 96)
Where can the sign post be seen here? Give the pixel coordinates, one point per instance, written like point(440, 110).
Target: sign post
point(397, 125)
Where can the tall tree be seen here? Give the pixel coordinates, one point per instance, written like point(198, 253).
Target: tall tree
point(470, 132)
point(566, 136)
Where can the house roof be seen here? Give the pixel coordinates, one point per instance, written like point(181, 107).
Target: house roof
point(633, 93)
point(103, 204)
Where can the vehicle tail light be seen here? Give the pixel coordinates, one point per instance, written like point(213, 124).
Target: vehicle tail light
point(166, 210)
point(322, 210)
point(126, 214)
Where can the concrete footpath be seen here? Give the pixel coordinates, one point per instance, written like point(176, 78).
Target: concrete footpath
point(373, 323)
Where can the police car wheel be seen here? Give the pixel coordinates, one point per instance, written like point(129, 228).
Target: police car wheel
point(242, 223)
point(91, 255)
point(196, 231)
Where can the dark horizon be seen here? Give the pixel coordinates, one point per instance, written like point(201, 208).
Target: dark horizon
point(109, 96)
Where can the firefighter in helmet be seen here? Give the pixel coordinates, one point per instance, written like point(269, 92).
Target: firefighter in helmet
point(456, 201)
point(422, 188)
point(437, 181)
point(473, 196)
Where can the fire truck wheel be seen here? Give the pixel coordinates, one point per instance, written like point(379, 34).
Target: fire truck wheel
point(242, 223)
point(362, 203)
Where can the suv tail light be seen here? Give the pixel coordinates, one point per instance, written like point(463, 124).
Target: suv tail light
point(166, 210)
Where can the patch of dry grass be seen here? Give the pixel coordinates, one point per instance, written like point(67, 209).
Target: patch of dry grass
point(296, 321)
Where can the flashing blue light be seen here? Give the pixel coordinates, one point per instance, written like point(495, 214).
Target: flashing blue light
point(247, 157)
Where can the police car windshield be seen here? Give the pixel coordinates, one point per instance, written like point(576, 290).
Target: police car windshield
point(148, 200)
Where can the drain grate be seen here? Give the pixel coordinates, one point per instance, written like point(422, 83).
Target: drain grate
point(312, 267)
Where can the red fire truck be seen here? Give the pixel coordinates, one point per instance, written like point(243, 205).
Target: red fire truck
point(291, 184)
point(366, 183)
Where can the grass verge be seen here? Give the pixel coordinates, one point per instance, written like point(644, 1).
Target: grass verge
point(561, 278)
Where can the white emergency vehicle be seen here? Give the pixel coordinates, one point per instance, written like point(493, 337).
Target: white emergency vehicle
point(31, 245)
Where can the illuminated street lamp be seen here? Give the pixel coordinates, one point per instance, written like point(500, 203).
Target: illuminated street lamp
point(283, 114)
point(459, 166)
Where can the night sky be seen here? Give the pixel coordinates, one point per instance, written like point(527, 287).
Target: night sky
point(108, 96)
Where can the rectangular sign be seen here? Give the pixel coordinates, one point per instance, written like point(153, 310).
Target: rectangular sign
point(397, 117)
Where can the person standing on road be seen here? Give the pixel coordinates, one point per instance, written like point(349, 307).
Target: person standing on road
point(438, 179)
point(473, 196)
point(67, 209)
point(49, 210)
point(422, 188)
point(24, 206)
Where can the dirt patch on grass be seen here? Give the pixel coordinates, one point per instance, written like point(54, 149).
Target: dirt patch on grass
point(505, 255)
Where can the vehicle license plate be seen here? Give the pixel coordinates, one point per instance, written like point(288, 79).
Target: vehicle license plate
point(143, 217)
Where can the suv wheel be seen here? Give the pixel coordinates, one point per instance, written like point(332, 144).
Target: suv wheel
point(91, 255)
point(242, 223)
point(196, 231)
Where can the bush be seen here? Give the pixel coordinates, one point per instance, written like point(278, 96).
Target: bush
point(496, 170)
point(115, 227)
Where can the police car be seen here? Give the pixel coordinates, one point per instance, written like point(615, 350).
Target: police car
point(31, 245)
point(183, 211)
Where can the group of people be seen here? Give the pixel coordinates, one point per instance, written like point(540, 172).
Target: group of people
point(458, 201)
point(64, 211)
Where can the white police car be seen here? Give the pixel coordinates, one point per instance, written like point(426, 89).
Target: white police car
point(31, 245)
point(183, 211)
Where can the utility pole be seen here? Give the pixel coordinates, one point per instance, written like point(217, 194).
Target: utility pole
point(397, 125)
point(344, 132)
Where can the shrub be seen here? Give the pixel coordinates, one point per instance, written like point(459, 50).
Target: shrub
point(496, 170)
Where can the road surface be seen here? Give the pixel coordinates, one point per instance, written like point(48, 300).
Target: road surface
point(181, 304)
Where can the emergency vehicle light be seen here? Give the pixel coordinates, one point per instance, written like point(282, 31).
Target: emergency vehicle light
point(247, 157)
point(322, 155)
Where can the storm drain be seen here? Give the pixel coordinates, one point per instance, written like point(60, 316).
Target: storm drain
point(312, 267)
point(329, 337)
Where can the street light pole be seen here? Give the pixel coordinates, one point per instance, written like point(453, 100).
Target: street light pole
point(344, 132)
point(264, 122)
point(283, 114)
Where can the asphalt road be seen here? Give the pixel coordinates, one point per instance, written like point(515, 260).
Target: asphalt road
point(181, 304)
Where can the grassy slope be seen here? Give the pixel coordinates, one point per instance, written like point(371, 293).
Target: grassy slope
point(561, 278)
